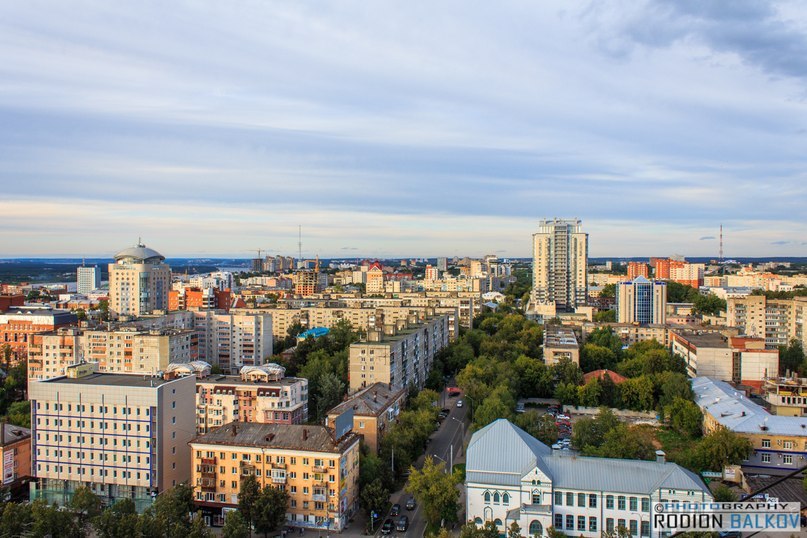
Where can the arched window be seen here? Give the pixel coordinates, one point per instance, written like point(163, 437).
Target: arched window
point(536, 529)
point(478, 521)
point(506, 498)
point(487, 496)
point(536, 497)
point(498, 523)
point(496, 498)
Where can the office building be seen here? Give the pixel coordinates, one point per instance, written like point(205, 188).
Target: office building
point(560, 264)
point(442, 264)
point(512, 477)
point(641, 301)
point(124, 436)
point(140, 351)
point(729, 358)
point(139, 282)
point(319, 472)
point(374, 409)
point(399, 355)
point(88, 279)
point(778, 441)
point(260, 394)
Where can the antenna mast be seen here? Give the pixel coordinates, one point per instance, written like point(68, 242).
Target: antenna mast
point(722, 265)
point(300, 244)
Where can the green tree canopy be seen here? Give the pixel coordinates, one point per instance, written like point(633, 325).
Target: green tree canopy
point(436, 491)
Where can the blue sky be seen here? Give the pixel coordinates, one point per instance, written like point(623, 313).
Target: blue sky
point(402, 128)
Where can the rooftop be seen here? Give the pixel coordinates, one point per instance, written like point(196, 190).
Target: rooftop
point(703, 339)
point(371, 401)
point(236, 380)
point(139, 254)
point(600, 374)
point(731, 409)
point(558, 336)
point(283, 436)
point(12, 434)
point(110, 380)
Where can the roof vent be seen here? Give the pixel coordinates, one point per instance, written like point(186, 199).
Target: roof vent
point(305, 434)
point(235, 430)
point(270, 437)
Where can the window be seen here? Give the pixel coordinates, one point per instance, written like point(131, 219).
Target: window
point(581, 499)
point(569, 522)
point(496, 498)
point(609, 524)
point(497, 522)
point(592, 524)
point(536, 497)
point(633, 504)
point(558, 521)
point(634, 528)
point(570, 499)
point(506, 498)
point(766, 458)
point(620, 502)
point(558, 498)
point(581, 523)
point(787, 459)
point(487, 497)
point(609, 502)
point(787, 444)
point(766, 443)
point(592, 501)
point(645, 505)
point(645, 528)
point(536, 529)
point(620, 523)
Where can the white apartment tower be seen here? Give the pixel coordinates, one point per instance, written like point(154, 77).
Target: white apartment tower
point(139, 282)
point(560, 264)
point(88, 279)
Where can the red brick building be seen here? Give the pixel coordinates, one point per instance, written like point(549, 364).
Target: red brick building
point(200, 299)
point(20, 322)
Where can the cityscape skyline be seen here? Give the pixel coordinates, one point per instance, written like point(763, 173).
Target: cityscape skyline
point(403, 130)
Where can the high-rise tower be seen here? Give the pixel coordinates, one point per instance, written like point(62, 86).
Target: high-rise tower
point(139, 282)
point(560, 264)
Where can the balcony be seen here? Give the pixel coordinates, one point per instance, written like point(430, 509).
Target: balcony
point(278, 479)
point(319, 497)
point(319, 469)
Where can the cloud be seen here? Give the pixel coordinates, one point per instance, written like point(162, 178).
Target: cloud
point(781, 242)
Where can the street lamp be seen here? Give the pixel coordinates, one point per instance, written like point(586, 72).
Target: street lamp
point(462, 441)
point(441, 459)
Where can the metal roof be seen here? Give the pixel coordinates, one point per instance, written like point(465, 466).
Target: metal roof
point(731, 409)
point(502, 454)
point(139, 253)
point(312, 438)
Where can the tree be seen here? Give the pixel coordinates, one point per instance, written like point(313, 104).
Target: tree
point(85, 504)
point(709, 304)
point(118, 521)
point(248, 496)
point(542, 427)
point(270, 510)
point(590, 432)
point(16, 519)
point(435, 490)
point(605, 337)
point(50, 520)
point(685, 417)
point(375, 496)
point(552, 532)
point(637, 393)
point(331, 390)
point(567, 393)
point(470, 530)
point(596, 357)
point(500, 404)
point(19, 414)
point(605, 316)
point(170, 514)
point(514, 530)
point(672, 385)
point(723, 493)
point(198, 528)
point(720, 448)
point(590, 394)
point(625, 443)
point(791, 357)
point(609, 290)
point(235, 526)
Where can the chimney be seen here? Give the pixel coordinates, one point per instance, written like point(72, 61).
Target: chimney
point(305, 434)
point(375, 395)
point(661, 457)
point(235, 430)
point(270, 437)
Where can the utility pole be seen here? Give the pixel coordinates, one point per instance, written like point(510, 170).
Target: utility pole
point(392, 461)
point(451, 458)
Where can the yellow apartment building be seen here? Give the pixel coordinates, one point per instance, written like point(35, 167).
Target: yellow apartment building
point(374, 410)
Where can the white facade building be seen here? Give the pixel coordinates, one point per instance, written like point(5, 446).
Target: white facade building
point(511, 476)
point(88, 279)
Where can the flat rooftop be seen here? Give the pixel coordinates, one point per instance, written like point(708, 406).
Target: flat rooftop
point(556, 336)
point(236, 380)
point(110, 380)
point(703, 339)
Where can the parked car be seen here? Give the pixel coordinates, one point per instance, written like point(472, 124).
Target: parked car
point(387, 527)
point(459, 403)
point(396, 509)
point(403, 524)
point(445, 410)
point(410, 503)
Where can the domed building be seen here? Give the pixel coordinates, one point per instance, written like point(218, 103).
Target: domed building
point(139, 281)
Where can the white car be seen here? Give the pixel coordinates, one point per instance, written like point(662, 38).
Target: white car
point(563, 417)
point(459, 403)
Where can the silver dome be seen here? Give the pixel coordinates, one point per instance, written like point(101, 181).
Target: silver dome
point(139, 254)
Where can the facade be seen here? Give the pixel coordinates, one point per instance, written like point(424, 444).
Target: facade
point(7, 301)
point(786, 396)
point(124, 436)
point(141, 351)
point(560, 343)
point(511, 476)
point(88, 279)
point(374, 410)
point(641, 301)
point(560, 264)
point(233, 340)
point(320, 473)
point(728, 358)
point(139, 282)
point(19, 323)
point(375, 279)
point(15, 445)
point(260, 394)
point(306, 282)
point(780, 443)
point(193, 298)
point(776, 320)
point(689, 274)
point(400, 355)
point(49, 354)
point(636, 269)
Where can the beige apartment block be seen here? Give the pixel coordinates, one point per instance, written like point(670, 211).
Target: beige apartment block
point(400, 355)
point(776, 320)
point(560, 264)
point(49, 354)
point(131, 350)
point(234, 340)
point(560, 343)
point(786, 396)
point(319, 472)
point(139, 282)
point(374, 411)
point(123, 435)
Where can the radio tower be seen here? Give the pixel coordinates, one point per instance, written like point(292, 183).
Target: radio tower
point(720, 259)
point(300, 245)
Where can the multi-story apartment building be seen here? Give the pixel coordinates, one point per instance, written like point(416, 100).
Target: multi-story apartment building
point(139, 282)
point(560, 264)
point(641, 301)
point(776, 320)
point(233, 340)
point(399, 355)
point(259, 394)
point(512, 477)
point(636, 269)
point(728, 358)
point(19, 323)
point(442, 264)
point(49, 354)
point(374, 283)
point(432, 273)
point(779, 442)
point(307, 282)
point(15, 446)
point(560, 343)
point(689, 274)
point(374, 410)
point(123, 435)
point(786, 396)
point(88, 279)
point(132, 350)
point(320, 473)
point(7, 301)
point(192, 298)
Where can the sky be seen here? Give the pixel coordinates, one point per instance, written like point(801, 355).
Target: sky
point(413, 128)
